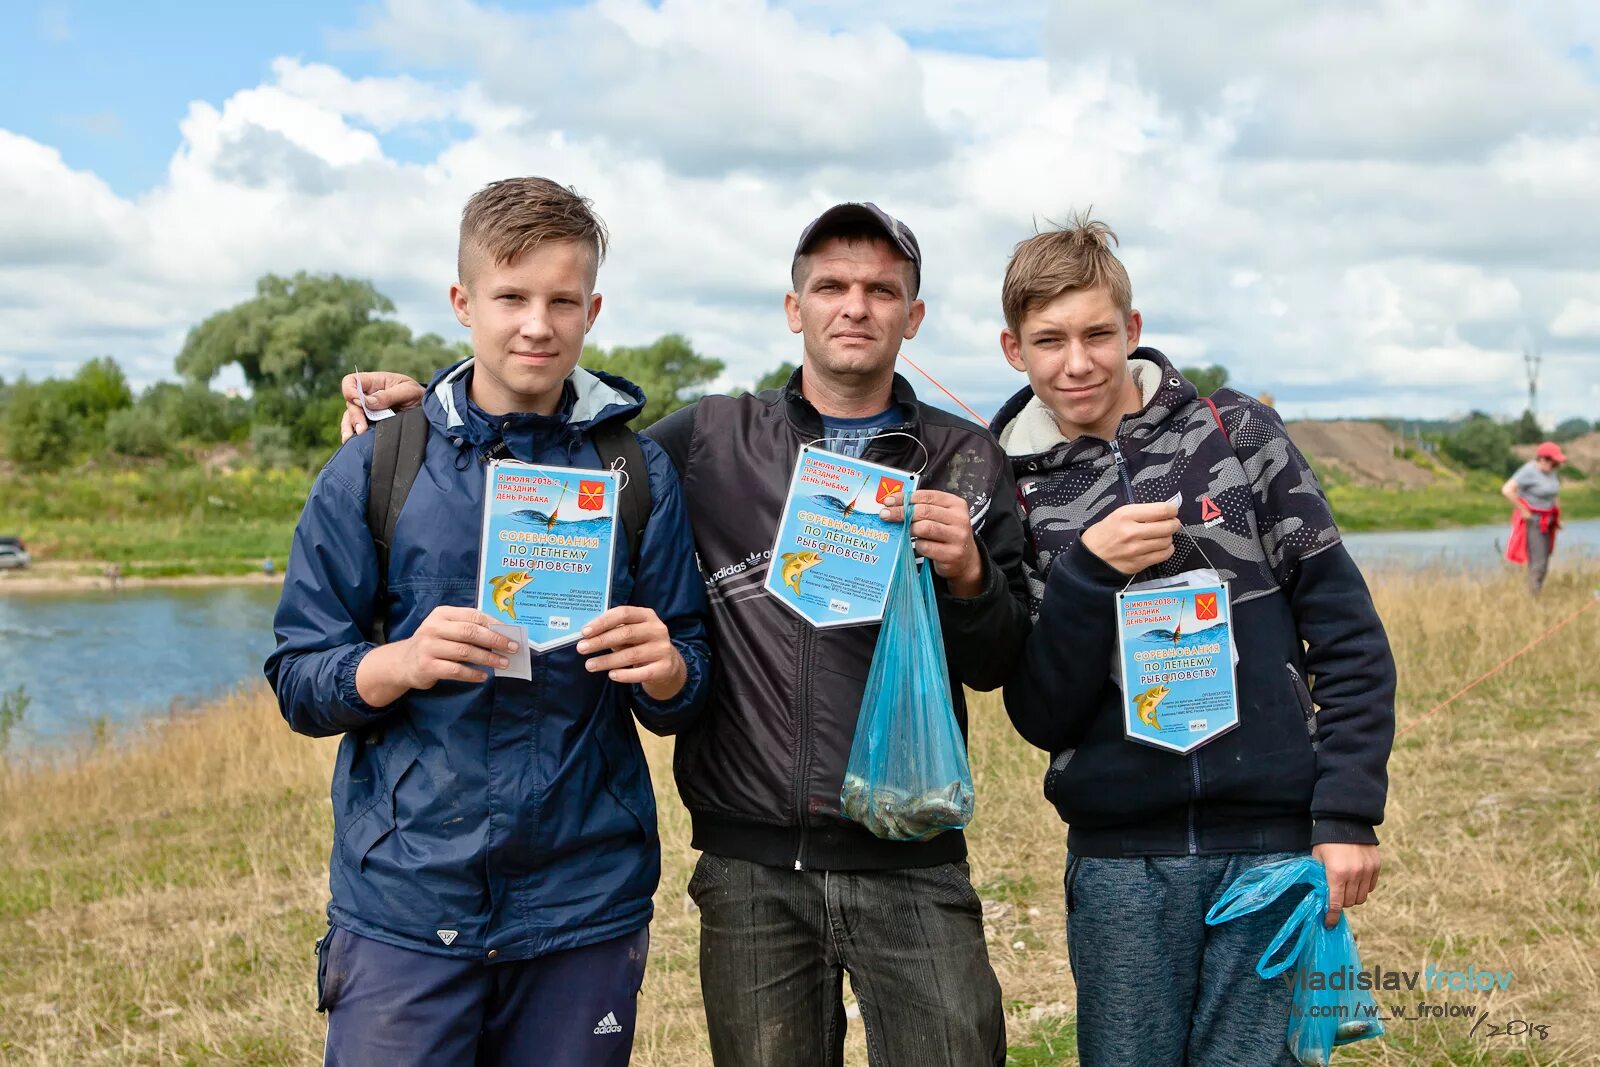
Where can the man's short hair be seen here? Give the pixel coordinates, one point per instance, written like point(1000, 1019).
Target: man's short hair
point(506, 220)
point(1074, 256)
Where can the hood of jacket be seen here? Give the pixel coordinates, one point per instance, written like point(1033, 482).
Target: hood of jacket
point(1027, 428)
point(588, 398)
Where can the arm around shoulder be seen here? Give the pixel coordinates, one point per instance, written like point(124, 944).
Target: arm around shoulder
point(669, 583)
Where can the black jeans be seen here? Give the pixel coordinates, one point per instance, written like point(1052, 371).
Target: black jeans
point(775, 945)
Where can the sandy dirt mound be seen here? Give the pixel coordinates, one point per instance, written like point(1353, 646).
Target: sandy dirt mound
point(1362, 452)
point(1582, 452)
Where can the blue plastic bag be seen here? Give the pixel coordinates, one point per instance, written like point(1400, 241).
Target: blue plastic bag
point(1320, 1017)
point(907, 778)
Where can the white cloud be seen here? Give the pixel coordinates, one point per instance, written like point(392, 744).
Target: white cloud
point(1578, 318)
point(1339, 206)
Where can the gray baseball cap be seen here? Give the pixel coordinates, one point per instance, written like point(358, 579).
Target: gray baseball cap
point(864, 216)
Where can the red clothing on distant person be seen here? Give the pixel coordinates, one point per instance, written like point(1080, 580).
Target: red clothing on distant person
point(1517, 543)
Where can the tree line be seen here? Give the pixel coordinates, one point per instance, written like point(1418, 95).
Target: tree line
point(298, 336)
point(292, 341)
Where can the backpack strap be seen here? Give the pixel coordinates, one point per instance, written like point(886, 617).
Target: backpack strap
point(397, 449)
point(1215, 414)
point(619, 449)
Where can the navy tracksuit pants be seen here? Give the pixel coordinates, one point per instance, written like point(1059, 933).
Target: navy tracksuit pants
point(394, 1007)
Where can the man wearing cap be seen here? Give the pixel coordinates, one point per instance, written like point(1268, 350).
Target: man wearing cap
point(1535, 492)
point(793, 896)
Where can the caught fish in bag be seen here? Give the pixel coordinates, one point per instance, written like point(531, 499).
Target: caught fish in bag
point(907, 778)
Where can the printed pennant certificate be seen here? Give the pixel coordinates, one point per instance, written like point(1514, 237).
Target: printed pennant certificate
point(834, 557)
point(1176, 651)
point(545, 563)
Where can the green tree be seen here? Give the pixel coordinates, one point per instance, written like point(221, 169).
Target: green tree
point(98, 389)
point(1570, 428)
point(670, 372)
point(194, 412)
point(1481, 443)
point(776, 378)
point(1206, 379)
point(1526, 430)
point(40, 429)
point(296, 338)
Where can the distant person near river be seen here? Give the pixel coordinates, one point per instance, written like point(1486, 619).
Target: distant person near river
point(1534, 492)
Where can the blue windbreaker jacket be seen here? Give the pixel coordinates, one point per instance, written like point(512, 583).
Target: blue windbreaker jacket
point(504, 819)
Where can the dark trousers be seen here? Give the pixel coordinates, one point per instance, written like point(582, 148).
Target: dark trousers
point(1157, 987)
point(775, 945)
point(1538, 555)
point(393, 1007)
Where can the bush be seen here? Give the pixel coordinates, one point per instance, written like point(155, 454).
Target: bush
point(40, 433)
point(272, 444)
point(134, 432)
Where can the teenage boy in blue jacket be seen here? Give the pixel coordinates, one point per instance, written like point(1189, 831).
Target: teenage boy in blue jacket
point(1114, 453)
point(495, 847)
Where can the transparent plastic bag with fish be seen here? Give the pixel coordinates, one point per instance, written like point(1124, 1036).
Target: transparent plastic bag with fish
point(1320, 1018)
point(907, 778)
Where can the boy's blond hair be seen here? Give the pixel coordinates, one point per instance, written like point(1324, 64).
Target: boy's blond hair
point(507, 219)
point(1071, 257)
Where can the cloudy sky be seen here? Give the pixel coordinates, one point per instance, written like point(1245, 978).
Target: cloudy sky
point(1369, 207)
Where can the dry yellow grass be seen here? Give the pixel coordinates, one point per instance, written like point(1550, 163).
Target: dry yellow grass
point(159, 898)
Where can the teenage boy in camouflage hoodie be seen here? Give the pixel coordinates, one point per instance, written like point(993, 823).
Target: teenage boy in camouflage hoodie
point(1125, 472)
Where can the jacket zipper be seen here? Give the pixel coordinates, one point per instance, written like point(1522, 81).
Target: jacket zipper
point(803, 740)
point(1194, 757)
point(1122, 469)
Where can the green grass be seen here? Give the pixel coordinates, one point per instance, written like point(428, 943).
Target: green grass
point(157, 521)
point(1049, 1043)
point(1476, 502)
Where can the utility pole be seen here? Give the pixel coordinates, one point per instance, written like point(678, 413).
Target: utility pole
point(1530, 362)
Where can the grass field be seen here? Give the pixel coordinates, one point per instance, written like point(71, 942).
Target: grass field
point(160, 895)
point(1475, 501)
point(156, 521)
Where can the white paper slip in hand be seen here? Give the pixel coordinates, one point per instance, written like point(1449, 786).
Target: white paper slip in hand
point(521, 661)
point(373, 415)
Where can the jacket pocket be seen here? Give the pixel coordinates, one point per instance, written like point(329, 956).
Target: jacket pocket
point(628, 782)
point(1303, 694)
point(392, 755)
point(327, 993)
point(710, 872)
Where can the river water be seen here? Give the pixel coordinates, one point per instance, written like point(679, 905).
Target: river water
point(124, 656)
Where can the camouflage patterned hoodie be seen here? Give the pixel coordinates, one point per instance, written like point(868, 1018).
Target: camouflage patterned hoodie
point(1308, 761)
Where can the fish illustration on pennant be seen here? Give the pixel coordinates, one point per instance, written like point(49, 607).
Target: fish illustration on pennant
point(797, 563)
point(505, 588)
point(1148, 701)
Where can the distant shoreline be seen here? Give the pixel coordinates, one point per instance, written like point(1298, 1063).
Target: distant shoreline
point(33, 583)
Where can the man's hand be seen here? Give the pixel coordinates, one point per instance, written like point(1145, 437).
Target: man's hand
point(395, 392)
point(641, 651)
point(942, 526)
point(440, 651)
point(1135, 536)
point(1352, 874)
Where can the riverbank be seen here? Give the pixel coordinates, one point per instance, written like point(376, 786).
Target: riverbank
point(159, 523)
point(1366, 509)
point(161, 893)
point(56, 577)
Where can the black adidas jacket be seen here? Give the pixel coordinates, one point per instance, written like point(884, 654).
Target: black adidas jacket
point(1316, 681)
point(761, 769)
